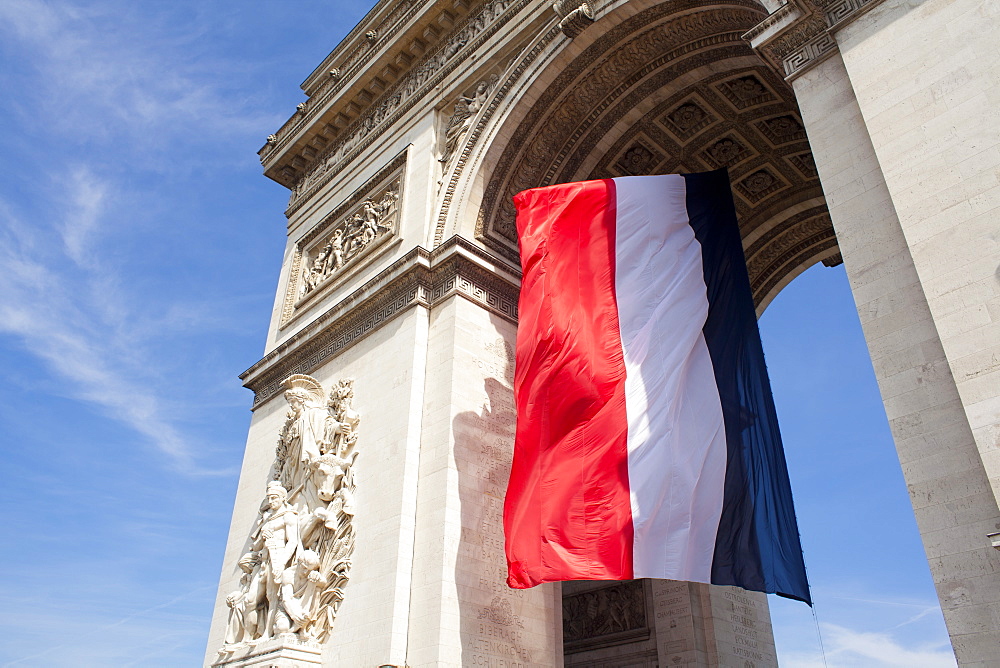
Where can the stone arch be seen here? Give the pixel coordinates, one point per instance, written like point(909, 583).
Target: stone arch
point(651, 87)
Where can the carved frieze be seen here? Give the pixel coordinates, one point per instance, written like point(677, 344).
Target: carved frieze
point(599, 616)
point(365, 221)
point(401, 95)
point(299, 561)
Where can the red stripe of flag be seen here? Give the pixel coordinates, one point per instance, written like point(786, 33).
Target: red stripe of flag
point(567, 512)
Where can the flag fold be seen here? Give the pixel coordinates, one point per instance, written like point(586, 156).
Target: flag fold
point(647, 442)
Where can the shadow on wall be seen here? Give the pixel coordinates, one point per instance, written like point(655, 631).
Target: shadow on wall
point(491, 615)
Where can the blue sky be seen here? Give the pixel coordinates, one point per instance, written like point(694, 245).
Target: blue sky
point(139, 253)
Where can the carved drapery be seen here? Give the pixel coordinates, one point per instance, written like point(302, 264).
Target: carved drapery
point(463, 113)
point(299, 561)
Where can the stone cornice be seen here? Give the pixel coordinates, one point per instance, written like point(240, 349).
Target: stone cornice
point(400, 98)
point(343, 119)
point(798, 35)
point(339, 73)
point(841, 12)
point(420, 278)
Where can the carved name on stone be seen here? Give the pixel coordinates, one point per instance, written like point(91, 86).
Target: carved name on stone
point(299, 562)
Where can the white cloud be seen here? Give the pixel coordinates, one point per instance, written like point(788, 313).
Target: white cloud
point(89, 637)
point(63, 304)
point(870, 630)
point(107, 69)
point(850, 647)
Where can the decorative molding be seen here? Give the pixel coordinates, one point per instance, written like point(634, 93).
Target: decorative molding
point(615, 63)
point(781, 17)
point(401, 96)
point(354, 61)
point(743, 118)
point(834, 260)
point(337, 245)
point(809, 54)
point(808, 235)
point(420, 278)
point(460, 162)
point(573, 18)
point(841, 12)
point(799, 34)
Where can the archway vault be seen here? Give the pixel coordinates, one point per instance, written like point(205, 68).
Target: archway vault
point(672, 87)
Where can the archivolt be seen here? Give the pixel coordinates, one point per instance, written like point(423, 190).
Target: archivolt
point(671, 88)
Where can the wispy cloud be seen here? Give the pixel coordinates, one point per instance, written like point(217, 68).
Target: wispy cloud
point(874, 630)
point(137, 639)
point(109, 69)
point(114, 91)
point(849, 647)
point(62, 302)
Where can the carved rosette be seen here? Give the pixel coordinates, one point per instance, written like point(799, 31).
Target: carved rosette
point(299, 561)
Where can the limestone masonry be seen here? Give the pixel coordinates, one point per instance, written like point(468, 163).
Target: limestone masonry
point(367, 528)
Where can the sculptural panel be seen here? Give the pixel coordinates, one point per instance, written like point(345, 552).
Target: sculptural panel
point(299, 557)
point(364, 222)
point(463, 113)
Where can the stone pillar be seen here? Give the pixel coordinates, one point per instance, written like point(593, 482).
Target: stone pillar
point(462, 612)
point(952, 498)
point(927, 80)
point(650, 623)
point(706, 625)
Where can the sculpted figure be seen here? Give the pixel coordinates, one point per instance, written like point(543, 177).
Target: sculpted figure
point(461, 119)
point(303, 437)
point(238, 602)
point(277, 539)
point(299, 563)
point(301, 586)
point(337, 244)
point(342, 429)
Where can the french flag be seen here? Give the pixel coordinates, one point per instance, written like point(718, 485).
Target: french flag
point(647, 442)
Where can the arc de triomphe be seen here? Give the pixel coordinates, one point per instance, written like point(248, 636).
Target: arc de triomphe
point(366, 530)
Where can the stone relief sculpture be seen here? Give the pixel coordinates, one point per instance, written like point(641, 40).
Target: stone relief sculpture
point(300, 548)
point(604, 611)
point(465, 110)
point(350, 238)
